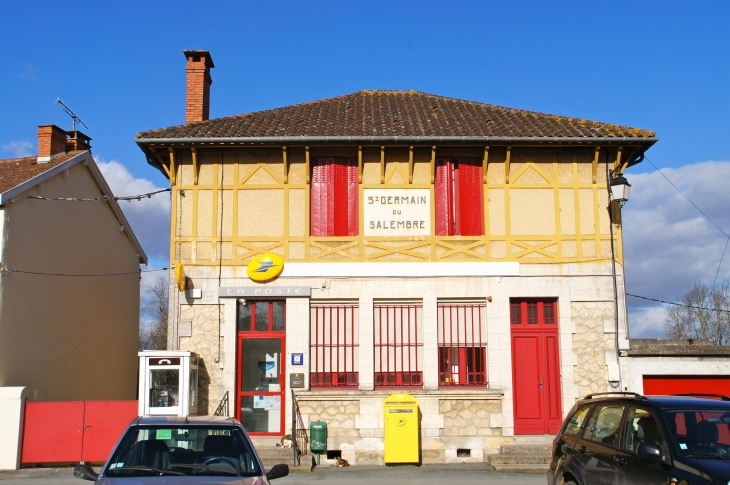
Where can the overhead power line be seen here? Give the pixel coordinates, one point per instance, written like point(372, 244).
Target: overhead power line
point(103, 197)
point(678, 304)
point(6, 270)
point(727, 236)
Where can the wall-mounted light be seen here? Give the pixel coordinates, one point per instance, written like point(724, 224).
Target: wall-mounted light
point(620, 189)
point(614, 384)
point(242, 301)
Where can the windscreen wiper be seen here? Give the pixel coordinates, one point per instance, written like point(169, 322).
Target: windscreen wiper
point(206, 467)
point(143, 468)
point(709, 455)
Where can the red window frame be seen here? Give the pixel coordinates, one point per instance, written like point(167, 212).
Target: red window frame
point(462, 349)
point(334, 208)
point(334, 346)
point(459, 190)
point(397, 343)
point(533, 314)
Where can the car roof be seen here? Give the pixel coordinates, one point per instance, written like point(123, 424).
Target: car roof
point(664, 402)
point(186, 420)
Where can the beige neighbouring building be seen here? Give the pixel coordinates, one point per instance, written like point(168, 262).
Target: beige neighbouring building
point(65, 337)
point(457, 251)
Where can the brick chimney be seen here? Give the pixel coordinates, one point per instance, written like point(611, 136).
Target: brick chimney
point(51, 142)
point(77, 141)
point(197, 98)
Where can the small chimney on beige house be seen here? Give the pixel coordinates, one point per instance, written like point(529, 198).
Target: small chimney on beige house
point(197, 98)
point(51, 142)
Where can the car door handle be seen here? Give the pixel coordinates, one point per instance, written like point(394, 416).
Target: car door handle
point(620, 461)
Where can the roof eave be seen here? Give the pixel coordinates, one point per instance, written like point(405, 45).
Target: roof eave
point(644, 142)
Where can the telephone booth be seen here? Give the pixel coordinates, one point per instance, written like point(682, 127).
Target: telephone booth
point(168, 383)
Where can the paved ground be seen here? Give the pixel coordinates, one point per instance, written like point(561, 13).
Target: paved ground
point(463, 474)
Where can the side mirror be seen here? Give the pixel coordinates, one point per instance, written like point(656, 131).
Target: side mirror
point(648, 450)
point(278, 471)
point(85, 472)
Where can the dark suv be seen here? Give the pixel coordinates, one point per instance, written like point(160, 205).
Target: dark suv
point(627, 438)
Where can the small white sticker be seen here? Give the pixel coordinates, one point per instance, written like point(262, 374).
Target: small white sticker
point(682, 446)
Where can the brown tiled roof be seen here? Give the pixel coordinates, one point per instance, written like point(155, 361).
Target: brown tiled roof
point(15, 171)
point(395, 113)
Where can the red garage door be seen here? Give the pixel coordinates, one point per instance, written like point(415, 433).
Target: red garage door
point(73, 431)
point(667, 385)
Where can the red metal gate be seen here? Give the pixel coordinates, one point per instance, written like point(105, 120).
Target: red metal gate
point(535, 366)
point(73, 431)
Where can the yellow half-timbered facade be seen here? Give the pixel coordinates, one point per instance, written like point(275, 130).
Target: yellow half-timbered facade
point(467, 254)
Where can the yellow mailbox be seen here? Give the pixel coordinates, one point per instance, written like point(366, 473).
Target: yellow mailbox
point(402, 437)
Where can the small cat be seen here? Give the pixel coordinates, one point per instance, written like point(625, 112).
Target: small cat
point(341, 462)
point(286, 441)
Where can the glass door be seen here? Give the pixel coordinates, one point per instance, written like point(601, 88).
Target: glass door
point(261, 345)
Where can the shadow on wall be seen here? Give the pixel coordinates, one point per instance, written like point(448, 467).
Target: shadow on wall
point(203, 389)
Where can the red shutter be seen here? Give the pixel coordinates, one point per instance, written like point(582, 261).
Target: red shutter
point(443, 189)
point(331, 200)
point(315, 205)
point(334, 197)
point(470, 196)
point(353, 207)
point(339, 197)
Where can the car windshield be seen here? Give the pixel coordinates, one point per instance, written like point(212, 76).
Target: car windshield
point(170, 450)
point(700, 432)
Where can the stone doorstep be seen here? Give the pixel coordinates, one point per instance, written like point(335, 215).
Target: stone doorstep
point(501, 459)
point(526, 450)
point(532, 469)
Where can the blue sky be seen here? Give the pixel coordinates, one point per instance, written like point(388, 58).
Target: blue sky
point(655, 65)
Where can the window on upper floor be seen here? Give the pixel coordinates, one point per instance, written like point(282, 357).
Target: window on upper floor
point(459, 197)
point(334, 197)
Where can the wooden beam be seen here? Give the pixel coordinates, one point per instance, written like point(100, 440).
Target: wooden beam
point(433, 163)
point(306, 162)
point(617, 163)
point(359, 165)
point(595, 163)
point(485, 164)
point(194, 152)
point(162, 164)
point(506, 165)
point(382, 165)
point(286, 164)
point(172, 166)
point(410, 165)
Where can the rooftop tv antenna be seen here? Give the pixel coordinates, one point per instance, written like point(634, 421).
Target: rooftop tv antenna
point(73, 115)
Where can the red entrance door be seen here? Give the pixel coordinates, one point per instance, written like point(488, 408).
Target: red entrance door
point(535, 366)
point(260, 402)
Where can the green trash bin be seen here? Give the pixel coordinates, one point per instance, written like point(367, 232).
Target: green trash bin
point(318, 437)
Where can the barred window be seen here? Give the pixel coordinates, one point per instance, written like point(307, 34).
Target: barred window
point(398, 344)
point(462, 344)
point(334, 356)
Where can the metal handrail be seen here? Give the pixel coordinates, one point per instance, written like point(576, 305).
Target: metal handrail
point(222, 409)
point(300, 438)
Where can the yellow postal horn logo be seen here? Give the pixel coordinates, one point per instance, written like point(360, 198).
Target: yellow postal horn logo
point(265, 267)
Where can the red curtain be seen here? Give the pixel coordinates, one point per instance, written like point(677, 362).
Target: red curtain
point(334, 197)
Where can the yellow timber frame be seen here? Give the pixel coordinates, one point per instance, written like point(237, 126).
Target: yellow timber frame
point(237, 249)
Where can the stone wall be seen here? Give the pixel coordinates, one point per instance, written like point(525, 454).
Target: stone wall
point(590, 343)
point(340, 418)
point(198, 332)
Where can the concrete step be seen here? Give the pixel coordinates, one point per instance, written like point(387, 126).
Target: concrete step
point(532, 469)
point(527, 450)
point(501, 459)
point(274, 452)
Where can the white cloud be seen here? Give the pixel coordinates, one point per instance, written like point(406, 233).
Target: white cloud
point(20, 148)
point(668, 244)
point(149, 218)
